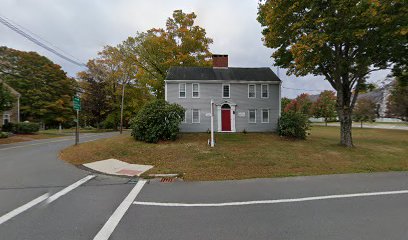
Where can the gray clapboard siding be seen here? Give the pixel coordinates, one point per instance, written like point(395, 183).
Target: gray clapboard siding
point(238, 96)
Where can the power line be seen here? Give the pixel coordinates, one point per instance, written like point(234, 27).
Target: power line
point(41, 38)
point(37, 42)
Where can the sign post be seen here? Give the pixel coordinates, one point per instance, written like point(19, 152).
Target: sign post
point(77, 107)
point(212, 124)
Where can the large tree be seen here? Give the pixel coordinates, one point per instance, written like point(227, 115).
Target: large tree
point(302, 104)
point(95, 94)
point(181, 43)
point(46, 91)
point(365, 111)
point(325, 106)
point(341, 40)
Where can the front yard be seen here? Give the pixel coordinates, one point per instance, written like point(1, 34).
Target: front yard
point(255, 155)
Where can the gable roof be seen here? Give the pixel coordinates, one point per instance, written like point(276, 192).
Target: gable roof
point(231, 73)
point(12, 90)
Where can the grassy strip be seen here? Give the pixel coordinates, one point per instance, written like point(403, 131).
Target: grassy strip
point(71, 131)
point(255, 155)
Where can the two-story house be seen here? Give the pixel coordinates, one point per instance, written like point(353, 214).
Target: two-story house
point(244, 98)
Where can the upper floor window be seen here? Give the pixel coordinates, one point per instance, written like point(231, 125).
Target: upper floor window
point(195, 116)
point(182, 90)
point(226, 90)
point(265, 90)
point(196, 90)
point(251, 91)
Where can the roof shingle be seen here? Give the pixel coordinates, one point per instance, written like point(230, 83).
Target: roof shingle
point(209, 73)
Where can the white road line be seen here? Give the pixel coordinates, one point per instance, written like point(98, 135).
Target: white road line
point(41, 143)
point(69, 188)
point(290, 200)
point(107, 229)
point(23, 208)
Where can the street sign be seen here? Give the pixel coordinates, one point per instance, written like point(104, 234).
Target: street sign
point(77, 103)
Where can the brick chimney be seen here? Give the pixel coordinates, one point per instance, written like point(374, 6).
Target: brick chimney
point(220, 60)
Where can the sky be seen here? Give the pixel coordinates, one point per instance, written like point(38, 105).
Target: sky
point(82, 27)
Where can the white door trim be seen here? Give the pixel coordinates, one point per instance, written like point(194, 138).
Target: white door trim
point(232, 117)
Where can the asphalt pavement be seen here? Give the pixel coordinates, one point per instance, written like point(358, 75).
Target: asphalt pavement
point(42, 197)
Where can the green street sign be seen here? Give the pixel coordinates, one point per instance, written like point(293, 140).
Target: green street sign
point(77, 103)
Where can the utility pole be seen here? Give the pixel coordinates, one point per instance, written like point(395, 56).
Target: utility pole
point(121, 108)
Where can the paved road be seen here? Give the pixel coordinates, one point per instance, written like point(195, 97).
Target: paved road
point(356, 206)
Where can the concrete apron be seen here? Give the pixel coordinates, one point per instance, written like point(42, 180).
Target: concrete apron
point(117, 167)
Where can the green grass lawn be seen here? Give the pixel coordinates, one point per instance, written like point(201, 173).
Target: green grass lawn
point(255, 155)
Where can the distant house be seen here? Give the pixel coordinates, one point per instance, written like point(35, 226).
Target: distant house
point(12, 115)
point(380, 97)
point(244, 98)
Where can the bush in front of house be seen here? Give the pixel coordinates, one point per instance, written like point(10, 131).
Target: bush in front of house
point(3, 135)
point(294, 125)
point(26, 127)
point(157, 120)
point(8, 127)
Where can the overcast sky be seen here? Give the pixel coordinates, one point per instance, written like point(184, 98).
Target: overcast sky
point(82, 27)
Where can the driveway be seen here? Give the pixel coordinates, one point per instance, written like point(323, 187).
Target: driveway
point(42, 197)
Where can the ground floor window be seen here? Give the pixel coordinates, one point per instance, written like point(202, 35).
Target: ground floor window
point(196, 116)
point(185, 117)
point(252, 116)
point(6, 118)
point(265, 115)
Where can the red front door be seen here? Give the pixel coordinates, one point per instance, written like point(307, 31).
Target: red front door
point(226, 119)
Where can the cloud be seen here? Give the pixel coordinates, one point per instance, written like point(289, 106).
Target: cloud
point(82, 28)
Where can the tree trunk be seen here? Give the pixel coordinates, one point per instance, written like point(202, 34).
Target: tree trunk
point(345, 133)
point(325, 121)
point(344, 111)
point(361, 125)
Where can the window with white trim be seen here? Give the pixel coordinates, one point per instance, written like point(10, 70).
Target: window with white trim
point(196, 90)
point(185, 117)
point(265, 115)
point(265, 91)
point(6, 118)
point(195, 116)
point(226, 91)
point(252, 115)
point(182, 90)
point(251, 91)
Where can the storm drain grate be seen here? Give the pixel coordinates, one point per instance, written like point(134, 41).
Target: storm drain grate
point(167, 180)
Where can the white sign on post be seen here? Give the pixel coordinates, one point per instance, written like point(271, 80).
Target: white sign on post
point(241, 114)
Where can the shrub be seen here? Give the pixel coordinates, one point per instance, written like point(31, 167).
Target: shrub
point(111, 121)
point(157, 120)
point(3, 135)
point(8, 127)
point(293, 124)
point(26, 127)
